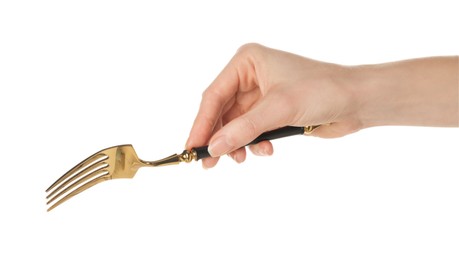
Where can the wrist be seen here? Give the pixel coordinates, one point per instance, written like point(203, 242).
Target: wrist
point(375, 90)
point(420, 92)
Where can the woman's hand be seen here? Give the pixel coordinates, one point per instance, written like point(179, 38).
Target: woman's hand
point(263, 89)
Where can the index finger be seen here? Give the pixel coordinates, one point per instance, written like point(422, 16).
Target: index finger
point(214, 98)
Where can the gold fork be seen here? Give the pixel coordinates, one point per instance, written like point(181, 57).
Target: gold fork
point(122, 162)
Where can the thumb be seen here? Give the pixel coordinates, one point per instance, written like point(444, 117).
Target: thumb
point(242, 130)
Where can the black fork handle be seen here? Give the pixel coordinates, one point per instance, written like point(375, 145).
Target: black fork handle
point(202, 152)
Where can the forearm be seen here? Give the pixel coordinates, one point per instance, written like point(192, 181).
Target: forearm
point(420, 92)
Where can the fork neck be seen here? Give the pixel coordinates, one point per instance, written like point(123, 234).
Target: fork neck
point(185, 156)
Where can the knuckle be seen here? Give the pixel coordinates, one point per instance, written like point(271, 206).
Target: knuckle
point(210, 94)
point(249, 126)
point(249, 49)
point(208, 121)
point(205, 93)
point(249, 46)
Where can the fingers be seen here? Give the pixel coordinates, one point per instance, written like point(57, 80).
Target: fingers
point(223, 99)
point(264, 148)
point(238, 75)
point(213, 100)
point(266, 115)
point(210, 162)
point(239, 155)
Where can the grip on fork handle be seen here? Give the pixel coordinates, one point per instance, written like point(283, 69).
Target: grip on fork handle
point(203, 152)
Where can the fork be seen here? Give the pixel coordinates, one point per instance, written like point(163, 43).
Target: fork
point(122, 162)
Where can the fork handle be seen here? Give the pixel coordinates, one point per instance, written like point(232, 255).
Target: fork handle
point(203, 152)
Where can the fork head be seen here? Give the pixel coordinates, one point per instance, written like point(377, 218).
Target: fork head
point(112, 163)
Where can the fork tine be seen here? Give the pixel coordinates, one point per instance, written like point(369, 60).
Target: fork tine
point(77, 183)
point(82, 165)
point(95, 167)
point(85, 186)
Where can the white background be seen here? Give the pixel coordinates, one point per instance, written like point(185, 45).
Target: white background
point(79, 76)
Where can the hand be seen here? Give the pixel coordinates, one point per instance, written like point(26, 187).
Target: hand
point(263, 89)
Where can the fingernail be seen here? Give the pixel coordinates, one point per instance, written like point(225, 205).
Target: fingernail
point(219, 147)
point(262, 152)
point(267, 152)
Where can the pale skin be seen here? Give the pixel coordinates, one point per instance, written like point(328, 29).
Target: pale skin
point(262, 89)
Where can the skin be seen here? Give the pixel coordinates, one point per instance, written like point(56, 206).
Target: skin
point(263, 89)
